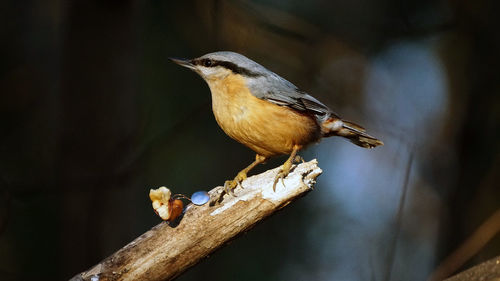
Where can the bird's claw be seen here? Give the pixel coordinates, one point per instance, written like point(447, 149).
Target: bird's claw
point(230, 185)
point(299, 159)
point(285, 170)
point(279, 176)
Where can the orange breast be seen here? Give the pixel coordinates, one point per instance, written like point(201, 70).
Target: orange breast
point(266, 128)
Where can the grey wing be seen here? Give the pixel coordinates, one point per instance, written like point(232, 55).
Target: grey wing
point(279, 91)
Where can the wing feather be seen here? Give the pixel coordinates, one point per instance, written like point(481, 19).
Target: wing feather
point(278, 90)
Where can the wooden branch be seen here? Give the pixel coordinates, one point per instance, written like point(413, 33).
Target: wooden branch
point(164, 252)
point(470, 247)
point(486, 271)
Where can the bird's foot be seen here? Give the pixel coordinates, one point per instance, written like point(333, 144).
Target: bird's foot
point(285, 170)
point(229, 185)
point(298, 159)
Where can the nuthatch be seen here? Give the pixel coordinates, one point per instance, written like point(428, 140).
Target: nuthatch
point(265, 112)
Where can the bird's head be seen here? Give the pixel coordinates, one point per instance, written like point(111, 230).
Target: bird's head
point(219, 65)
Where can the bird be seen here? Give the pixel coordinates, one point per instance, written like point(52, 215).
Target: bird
point(267, 113)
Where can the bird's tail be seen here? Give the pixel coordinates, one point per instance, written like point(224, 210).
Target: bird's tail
point(351, 131)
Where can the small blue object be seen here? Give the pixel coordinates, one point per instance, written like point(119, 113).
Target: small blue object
point(200, 198)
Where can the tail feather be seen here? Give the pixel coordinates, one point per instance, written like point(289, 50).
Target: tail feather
point(351, 131)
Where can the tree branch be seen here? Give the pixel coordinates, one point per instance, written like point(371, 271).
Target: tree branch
point(486, 271)
point(165, 252)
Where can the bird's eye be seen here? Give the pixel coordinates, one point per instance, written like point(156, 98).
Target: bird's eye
point(207, 63)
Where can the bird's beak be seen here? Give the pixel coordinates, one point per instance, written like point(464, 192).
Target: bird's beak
point(183, 62)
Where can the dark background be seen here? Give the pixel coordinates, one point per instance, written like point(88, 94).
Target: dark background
point(93, 115)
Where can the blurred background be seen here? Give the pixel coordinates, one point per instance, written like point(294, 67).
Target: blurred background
point(93, 115)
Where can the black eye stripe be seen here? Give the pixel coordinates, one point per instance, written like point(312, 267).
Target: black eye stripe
point(204, 62)
point(207, 62)
point(226, 64)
